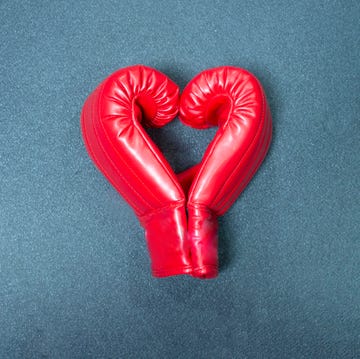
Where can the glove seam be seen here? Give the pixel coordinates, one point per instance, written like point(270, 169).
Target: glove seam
point(259, 158)
point(258, 131)
point(137, 210)
point(100, 95)
point(134, 123)
point(196, 205)
point(144, 218)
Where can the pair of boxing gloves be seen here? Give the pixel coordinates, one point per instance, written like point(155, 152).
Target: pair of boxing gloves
point(178, 212)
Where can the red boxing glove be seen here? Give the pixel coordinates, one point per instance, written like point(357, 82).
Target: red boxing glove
point(111, 121)
point(234, 100)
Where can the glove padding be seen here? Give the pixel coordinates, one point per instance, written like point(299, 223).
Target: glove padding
point(112, 123)
point(233, 99)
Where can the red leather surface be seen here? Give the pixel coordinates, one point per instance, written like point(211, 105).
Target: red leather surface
point(178, 212)
point(186, 177)
point(234, 100)
point(112, 122)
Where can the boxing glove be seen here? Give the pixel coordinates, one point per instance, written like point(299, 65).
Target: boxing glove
point(232, 99)
point(112, 121)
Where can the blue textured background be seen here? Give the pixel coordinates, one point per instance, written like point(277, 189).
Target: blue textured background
point(74, 270)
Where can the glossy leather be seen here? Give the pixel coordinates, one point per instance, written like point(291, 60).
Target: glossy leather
point(112, 123)
point(233, 99)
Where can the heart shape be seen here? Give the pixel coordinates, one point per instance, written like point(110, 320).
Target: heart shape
point(178, 212)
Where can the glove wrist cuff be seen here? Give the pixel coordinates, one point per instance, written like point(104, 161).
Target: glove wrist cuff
point(203, 238)
point(165, 233)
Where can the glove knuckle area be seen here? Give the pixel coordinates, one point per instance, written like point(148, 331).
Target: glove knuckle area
point(139, 93)
point(216, 95)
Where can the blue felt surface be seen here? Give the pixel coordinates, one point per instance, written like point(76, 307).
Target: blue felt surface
point(74, 271)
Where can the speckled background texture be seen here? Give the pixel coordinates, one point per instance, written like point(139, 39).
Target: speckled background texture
point(74, 270)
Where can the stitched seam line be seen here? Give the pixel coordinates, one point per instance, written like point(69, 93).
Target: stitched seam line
point(195, 205)
point(100, 166)
point(255, 156)
point(247, 179)
point(147, 216)
point(259, 159)
point(119, 156)
point(245, 152)
point(92, 155)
